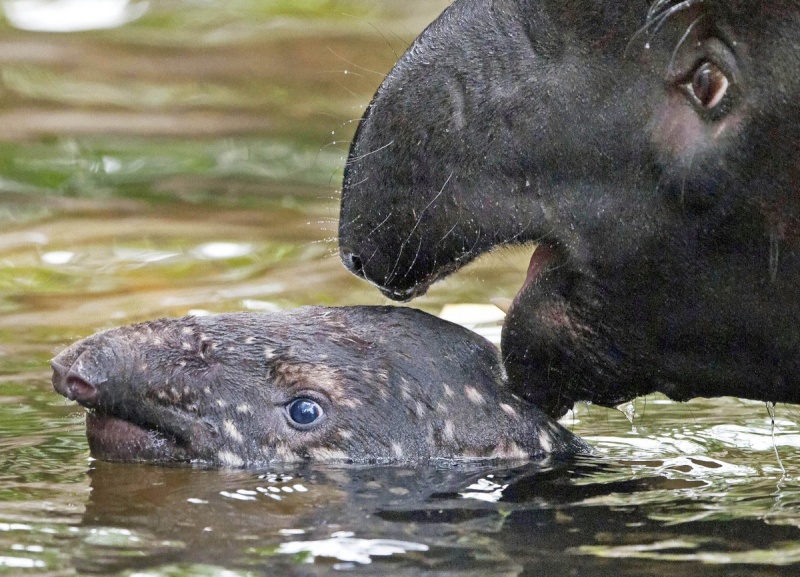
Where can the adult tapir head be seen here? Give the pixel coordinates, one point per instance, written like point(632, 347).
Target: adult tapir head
point(652, 152)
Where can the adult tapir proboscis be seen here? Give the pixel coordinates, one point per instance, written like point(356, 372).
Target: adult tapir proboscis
point(651, 152)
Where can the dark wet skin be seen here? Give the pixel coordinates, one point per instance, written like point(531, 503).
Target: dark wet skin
point(353, 384)
point(650, 150)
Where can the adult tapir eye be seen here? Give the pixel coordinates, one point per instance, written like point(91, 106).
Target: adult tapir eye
point(304, 412)
point(708, 86)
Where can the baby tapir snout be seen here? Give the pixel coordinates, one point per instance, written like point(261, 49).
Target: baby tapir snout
point(83, 370)
point(107, 372)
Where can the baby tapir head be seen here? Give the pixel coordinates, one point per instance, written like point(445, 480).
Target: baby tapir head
point(352, 384)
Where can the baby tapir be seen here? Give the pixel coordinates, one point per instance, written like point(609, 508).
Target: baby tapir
point(353, 384)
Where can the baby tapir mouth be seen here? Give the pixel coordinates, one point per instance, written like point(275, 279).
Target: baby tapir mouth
point(113, 433)
point(114, 439)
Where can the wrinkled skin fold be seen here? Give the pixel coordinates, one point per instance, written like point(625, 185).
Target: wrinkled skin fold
point(651, 151)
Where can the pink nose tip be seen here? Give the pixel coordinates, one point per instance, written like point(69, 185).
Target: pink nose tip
point(69, 382)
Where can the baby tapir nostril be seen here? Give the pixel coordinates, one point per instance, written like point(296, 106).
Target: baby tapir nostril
point(80, 390)
point(69, 382)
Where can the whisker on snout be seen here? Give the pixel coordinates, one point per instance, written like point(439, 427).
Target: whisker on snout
point(366, 154)
point(391, 274)
point(343, 59)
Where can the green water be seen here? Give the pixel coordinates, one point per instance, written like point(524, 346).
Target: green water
point(189, 160)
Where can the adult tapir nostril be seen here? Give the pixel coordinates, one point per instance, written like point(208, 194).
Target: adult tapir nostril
point(74, 382)
point(352, 261)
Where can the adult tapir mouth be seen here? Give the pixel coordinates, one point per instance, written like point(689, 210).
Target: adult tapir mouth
point(544, 256)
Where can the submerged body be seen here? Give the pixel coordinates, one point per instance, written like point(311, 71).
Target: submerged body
point(355, 384)
point(649, 149)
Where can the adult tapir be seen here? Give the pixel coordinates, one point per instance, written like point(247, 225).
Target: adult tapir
point(651, 152)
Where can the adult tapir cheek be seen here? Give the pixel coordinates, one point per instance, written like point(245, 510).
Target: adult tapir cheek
point(681, 137)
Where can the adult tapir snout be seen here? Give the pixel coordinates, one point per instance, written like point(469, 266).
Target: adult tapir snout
point(493, 104)
point(652, 149)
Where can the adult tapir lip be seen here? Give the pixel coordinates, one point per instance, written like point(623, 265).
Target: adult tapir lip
point(654, 144)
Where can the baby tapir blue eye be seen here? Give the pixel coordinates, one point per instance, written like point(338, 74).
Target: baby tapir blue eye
point(304, 411)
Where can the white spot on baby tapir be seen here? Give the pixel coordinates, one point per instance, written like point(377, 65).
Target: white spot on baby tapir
point(221, 403)
point(448, 392)
point(232, 431)
point(244, 409)
point(509, 450)
point(380, 376)
point(186, 346)
point(229, 459)
point(249, 340)
point(345, 434)
point(546, 441)
point(162, 395)
point(419, 409)
point(207, 390)
point(474, 396)
point(509, 410)
point(351, 403)
point(449, 432)
point(397, 450)
point(269, 353)
point(281, 453)
point(325, 454)
point(144, 367)
point(405, 390)
point(441, 408)
point(186, 330)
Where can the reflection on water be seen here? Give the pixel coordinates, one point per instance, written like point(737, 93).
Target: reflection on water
point(185, 159)
point(405, 521)
point(71, 15)
point(345, 547)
